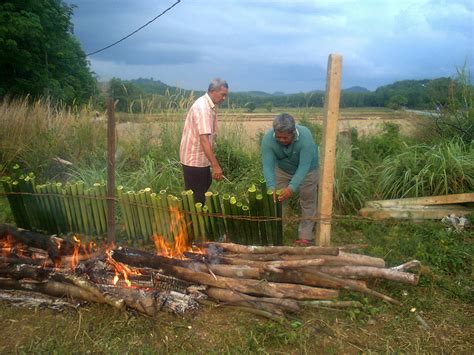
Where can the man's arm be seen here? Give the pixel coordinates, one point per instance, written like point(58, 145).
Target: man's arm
point(268, 162)
point(207, 148)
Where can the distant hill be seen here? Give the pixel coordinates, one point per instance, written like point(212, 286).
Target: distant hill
point(356, 89)
point(255, 93)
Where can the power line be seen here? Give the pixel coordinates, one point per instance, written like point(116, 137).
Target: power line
point(138, 29)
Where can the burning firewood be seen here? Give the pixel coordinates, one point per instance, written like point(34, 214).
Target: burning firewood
point(268, 280)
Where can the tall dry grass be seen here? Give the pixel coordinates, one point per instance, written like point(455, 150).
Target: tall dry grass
point(34, 133)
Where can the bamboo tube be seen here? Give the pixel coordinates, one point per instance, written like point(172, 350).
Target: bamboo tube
point(263, 186)
point(279, 221)
point(184, 226)
point(141, 202)
point(83, 207)
point(135, 220)
point(141, 216)
point(75, 209)
point(242, 230)
point(166, 215)
point(261, 213)
point(70, 221)
point(187, 213)
point(248, 237)
point(149, 212)
point(200, 218)
point(100, 207)
point(269, 208)
point(125, 212)
point(47, 208)
point(46, 190)
point(103, 197)
point(62, 219)
point(92, 212)
point(7, 186)
point(41, 222)
point(192, 208)
point(59, 215)
point(156, 215)
point(219, 220)
point(255, 236)
point(29, 201)
point(173, 213)
point(163, 214)
point(210, 218)
point(207, 223)
point(229, 225)
point(22, 202)
point(235, 236)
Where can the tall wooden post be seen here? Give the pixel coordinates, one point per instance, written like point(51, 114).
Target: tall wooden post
point(110, 170)
point(328, 151)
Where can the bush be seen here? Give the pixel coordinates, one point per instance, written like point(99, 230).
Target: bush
point(456, 117)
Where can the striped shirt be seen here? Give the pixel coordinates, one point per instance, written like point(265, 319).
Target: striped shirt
point(201, 119)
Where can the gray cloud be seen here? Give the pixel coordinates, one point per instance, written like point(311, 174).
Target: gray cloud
point(277, 45)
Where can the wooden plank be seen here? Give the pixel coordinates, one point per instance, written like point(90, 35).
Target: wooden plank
point(111, 170)
point(415, 212)
point(427, 201)
point(328, 151)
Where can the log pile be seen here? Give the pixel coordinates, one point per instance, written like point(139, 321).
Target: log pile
point(268, 280)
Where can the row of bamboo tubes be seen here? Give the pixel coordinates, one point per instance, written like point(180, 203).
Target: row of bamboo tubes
point(58, 208)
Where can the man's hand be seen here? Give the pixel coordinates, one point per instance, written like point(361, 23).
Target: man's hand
point(216, 172)
point(285, 194)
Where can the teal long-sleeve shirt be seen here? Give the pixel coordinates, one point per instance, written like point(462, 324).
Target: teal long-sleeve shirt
point(297, 159)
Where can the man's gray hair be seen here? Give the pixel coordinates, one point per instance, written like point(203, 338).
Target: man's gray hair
point(216, 84)
point(284, 123)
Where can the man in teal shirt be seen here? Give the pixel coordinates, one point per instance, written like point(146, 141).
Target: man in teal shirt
point(290, 162)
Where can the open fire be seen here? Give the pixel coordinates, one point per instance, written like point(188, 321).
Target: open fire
point(269, 280)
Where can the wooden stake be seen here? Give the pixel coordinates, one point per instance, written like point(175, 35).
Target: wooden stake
point(328, 156)
point(110, 171)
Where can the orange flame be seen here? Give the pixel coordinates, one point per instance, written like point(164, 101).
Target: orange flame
point(181, 241)
point(121, 269)
point(75, 255)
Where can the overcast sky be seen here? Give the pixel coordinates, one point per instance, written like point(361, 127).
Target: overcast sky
point(277, 45)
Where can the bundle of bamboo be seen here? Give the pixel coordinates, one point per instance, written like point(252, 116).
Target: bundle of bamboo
point(73, 207)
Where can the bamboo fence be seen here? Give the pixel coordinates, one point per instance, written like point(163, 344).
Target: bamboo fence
point(57, 208)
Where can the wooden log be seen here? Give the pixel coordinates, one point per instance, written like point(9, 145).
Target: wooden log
point(225, 295)
point(151, 302)
point(350, 285)
point(49, 287)
point(370, 272)
point(426, 201)
point(328, 150)
point(254, 302)
point(342, 259)
point(56, 247)
point(410, 265)
point(252, 287)
point(415, 212)
point(274, 264)
point(331, 304)
point(243, 249)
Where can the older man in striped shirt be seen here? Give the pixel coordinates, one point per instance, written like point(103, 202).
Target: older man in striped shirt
point(196, 154)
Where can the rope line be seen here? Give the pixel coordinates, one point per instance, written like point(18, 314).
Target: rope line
point(322, 219)
point(138, 29)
